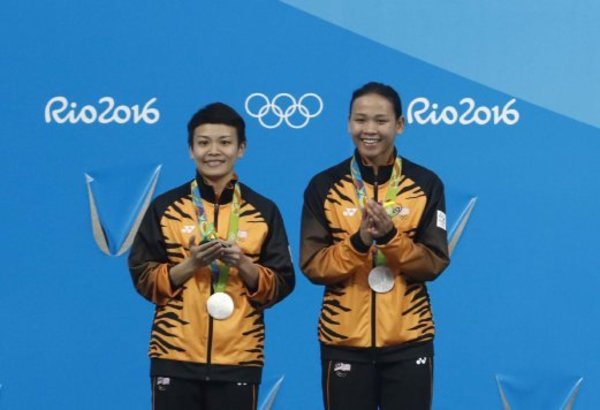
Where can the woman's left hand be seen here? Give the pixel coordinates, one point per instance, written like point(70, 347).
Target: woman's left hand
point(233, 256)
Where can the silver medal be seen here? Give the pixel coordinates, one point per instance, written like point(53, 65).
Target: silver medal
point(381, 279)
point(219, 305)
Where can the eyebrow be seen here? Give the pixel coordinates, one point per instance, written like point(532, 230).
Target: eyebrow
point(360, 114)
point(209, 137)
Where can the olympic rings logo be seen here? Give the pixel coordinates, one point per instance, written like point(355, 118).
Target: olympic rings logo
point(283, 107)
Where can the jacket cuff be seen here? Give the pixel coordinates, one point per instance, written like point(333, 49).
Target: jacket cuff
point(163, 289)
point(385, 239)
point(358, 244)
point(264, 283)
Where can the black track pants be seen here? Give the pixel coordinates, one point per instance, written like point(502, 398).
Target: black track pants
point(169, 393)
point(403, 385)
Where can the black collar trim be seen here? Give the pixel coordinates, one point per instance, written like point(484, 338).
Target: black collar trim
point(207, 192)
point(367, 173)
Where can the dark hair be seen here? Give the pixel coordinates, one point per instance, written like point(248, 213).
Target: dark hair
point(217, 113)
point(383, 90)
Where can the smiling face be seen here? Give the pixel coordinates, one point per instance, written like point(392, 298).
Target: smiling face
point(373, 126)
point(215, 149)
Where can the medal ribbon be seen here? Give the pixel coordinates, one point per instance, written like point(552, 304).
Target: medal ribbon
point(207, 230)
point(390, 197)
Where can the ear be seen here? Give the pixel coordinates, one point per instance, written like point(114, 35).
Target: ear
point(191, 152)
point(400, 125)
point(241, 150)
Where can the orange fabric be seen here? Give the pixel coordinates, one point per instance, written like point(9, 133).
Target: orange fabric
point(418, 252)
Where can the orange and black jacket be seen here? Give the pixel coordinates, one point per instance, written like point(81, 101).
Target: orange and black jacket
point(185, 341)
point(356, 323)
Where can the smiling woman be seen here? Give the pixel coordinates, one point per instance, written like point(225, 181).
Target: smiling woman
point(374, 125)
point(215, 149)
point(376, 327)
point(211, 254)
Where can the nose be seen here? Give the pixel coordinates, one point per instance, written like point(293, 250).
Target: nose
point(370, 127)
point(213, 149)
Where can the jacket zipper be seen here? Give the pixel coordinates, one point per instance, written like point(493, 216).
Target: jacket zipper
point(210, 319)
point(373, 293)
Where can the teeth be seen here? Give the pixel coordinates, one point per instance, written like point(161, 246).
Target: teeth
point(213, 163)
point(370, 140)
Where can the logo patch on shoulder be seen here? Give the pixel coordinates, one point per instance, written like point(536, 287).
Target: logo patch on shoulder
point(441, 220)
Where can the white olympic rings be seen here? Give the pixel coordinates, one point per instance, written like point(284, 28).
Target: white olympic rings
point(283, 114)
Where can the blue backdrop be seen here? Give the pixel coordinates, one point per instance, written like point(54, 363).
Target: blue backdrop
point(516, 311)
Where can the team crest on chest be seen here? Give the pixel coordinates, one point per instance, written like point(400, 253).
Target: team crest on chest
point(397, 210)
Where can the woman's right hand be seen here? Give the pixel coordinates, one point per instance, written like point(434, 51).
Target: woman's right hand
point(201, 255)
point(205, 253)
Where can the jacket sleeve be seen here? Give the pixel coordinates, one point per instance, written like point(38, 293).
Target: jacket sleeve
point(148, 262)
point(276, 277)
point(426, 255)
point(322, 261)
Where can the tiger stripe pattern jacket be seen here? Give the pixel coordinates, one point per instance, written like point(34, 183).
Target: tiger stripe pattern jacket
point(357, 323)
point(185, 341)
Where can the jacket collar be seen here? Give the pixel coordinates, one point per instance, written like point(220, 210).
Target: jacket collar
point(367, 173)
point(207, 191)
